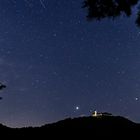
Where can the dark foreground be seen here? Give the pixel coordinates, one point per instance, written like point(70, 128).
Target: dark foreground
point(90, 127)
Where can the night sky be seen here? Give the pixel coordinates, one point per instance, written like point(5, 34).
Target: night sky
point(56, 64)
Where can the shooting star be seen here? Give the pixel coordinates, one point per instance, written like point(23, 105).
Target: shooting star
point(42, 3)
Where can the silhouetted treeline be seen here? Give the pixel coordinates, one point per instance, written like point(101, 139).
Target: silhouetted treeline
point(100, 9)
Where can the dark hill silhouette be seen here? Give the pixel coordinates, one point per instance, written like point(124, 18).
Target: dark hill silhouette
point(91, 123)
point(102, 126)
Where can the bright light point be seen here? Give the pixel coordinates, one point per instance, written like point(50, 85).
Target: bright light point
point(77, 108)
point(94, 114)
point(136, 99)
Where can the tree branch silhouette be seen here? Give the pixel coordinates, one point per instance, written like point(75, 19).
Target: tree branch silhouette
point(2, 86)
point(100, 9)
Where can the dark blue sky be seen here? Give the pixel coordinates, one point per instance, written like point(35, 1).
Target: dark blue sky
point(53, 60)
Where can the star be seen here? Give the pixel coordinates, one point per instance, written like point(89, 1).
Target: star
point(77, 108)
point(54, 34)
point(136, 98)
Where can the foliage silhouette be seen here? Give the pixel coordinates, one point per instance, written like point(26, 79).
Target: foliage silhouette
point(100, 9)
point(2, 86)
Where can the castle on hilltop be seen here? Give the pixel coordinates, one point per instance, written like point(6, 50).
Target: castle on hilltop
point(97, 114)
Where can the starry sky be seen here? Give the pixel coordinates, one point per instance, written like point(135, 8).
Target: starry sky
point(56, 64)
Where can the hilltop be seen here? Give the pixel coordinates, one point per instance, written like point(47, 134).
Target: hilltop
point(93, 126)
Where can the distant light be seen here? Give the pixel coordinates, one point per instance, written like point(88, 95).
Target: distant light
point(95, 114)
point(77, 108)
point(136, 99)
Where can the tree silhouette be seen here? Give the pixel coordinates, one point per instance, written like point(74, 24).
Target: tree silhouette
point(2, 86)
point(100, 9)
